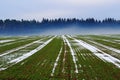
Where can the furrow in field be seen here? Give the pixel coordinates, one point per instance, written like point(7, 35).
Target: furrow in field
point(31, 52)
point(6, 48)
point(63, 69)
point(102, 55)
point(39, 65)
point(112, 41)
point(26, 55)
point(107, 47)
point(56, 62)
point(21, 47)
point(89, 65)
point(72, 53)
point(12, 42)
point(4, 41)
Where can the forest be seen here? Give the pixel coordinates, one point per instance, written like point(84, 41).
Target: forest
point(13, 26)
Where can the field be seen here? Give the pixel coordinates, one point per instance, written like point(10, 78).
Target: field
point(65, 57)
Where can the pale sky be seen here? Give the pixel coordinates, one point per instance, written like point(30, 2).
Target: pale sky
point(38, 9)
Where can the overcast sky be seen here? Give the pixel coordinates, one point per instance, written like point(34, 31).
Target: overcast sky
point(38, 9)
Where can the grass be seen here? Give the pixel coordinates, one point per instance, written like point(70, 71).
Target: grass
point(33, 68)
point(39, 66)
point(91, 67)
point(98, 39)
point(16, 44)
point(13, 55)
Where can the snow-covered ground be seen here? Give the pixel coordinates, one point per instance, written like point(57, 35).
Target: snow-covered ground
point(16, 49)
point(4, 41)
point(64, 59)
point(26, 55)
point(12, 42)
point(56, 62)
point(72, 53)
point(31, 52)
point(102, 55)
point(107, 47)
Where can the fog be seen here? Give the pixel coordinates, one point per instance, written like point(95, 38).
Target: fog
point(74, 30)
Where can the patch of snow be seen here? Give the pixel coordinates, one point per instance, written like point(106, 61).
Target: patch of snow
point(56, 62)
point(80, 65)
point(22, 63)
point(72, 53)
point(107, 47)
point(31, 52)
point(102, 55)
point(13, 50)
point(2, 69)
point(42, 63)
point(63, 70)
point(21, 58)
point(4, 41)
point(117, 40)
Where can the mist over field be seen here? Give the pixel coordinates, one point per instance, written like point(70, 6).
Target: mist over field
point(74, 30)
point(70, 30)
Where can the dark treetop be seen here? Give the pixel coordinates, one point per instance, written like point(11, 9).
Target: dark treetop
point(28, 26)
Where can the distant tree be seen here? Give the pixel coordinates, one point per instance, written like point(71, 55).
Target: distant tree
point(22, 24)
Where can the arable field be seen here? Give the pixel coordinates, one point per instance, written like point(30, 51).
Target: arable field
point(65, 57)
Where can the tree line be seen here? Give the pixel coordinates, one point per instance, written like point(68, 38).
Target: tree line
point(60, 21)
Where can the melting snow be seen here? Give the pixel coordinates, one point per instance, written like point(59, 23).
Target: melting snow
point(19, 59)
point(30, 53)
point(4, 41)
point(2, 69)
point(72, 52)
point(102, 55)
point(110, 48)
point(13, 50)
point(56, 62)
